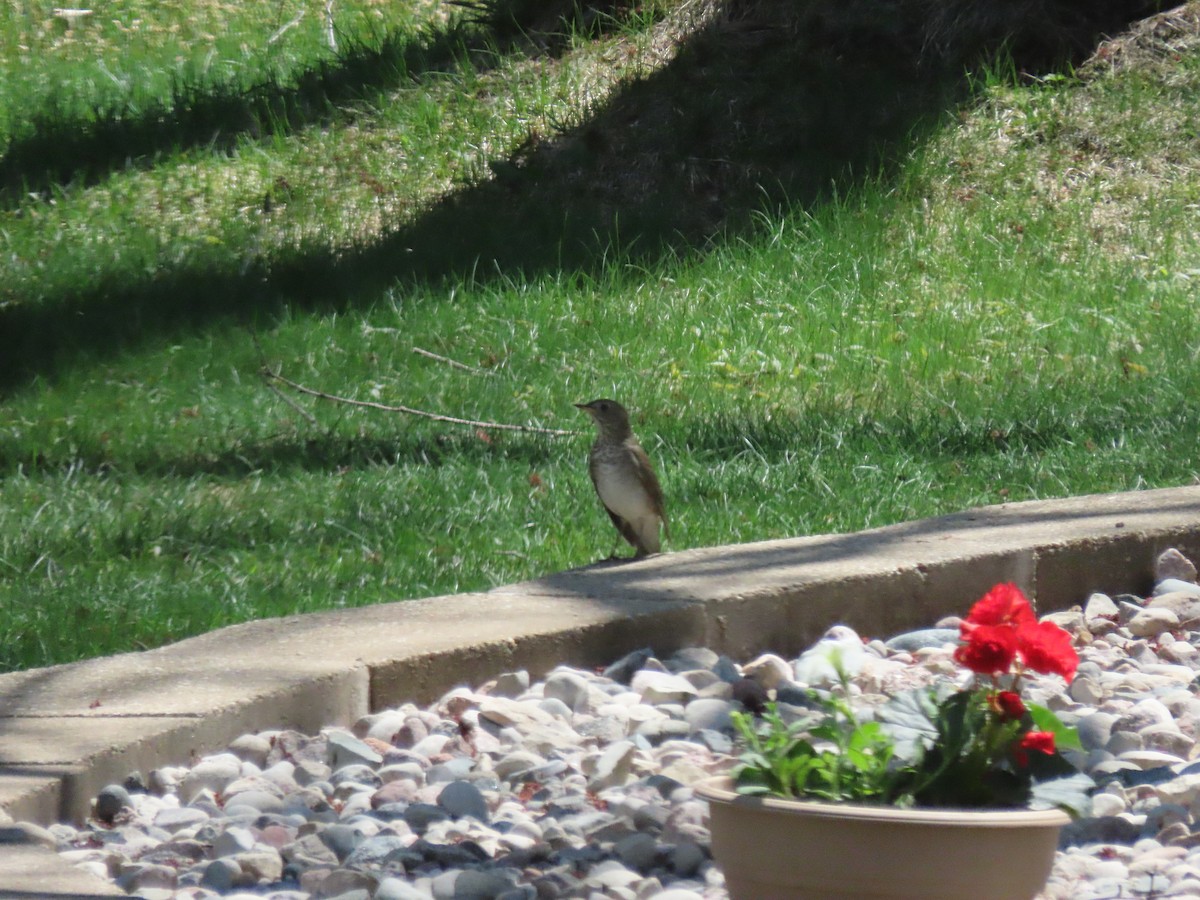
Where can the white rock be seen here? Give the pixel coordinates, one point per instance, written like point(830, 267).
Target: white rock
point(1173, 564)
point(612, 767)
point(768, 670)
point(1149, 759)
point(569, 687)
point(658, 688)
point(840, 649)
point(1153, 621)
point(1183, 789)
point(213, 773)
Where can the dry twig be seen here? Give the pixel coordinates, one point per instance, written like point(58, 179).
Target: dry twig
point(271, 376)
point(428, 354)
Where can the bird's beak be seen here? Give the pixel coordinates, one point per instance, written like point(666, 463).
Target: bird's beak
point(584, 406)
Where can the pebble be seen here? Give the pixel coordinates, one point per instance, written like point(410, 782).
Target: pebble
point(579, 785)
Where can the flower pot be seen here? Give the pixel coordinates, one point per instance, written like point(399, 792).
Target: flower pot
point(771, 849)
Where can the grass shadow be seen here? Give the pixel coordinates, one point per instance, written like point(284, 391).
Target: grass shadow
point(58, 148)
point(772, 103)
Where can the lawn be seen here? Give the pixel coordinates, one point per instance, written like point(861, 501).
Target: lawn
point(844, 275)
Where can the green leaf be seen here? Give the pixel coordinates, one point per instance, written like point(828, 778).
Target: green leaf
point(908, 719)
point(1069, 794)
point(1065, 738)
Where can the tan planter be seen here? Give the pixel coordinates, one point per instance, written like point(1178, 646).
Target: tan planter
point(773, 849)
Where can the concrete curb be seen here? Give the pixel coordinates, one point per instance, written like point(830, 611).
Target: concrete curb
point(66, 731)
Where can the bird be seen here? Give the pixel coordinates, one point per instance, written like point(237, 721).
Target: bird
point(624, 478)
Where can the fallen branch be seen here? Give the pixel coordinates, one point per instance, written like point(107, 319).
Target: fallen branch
point(453, 363)
point(270, 376)
point(309, 417)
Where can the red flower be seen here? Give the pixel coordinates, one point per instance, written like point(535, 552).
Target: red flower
point(1039, 741)
point(1002, 626)
point(1046, 648)
point(989, 649)
point(1002, 605)
point(1008, 704)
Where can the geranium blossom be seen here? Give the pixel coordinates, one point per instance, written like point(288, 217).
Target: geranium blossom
point(989, 650)
point(1002, 627)
point(1046, 648)
point(1037, 741)
point(1008, 704)
point(1004, 604)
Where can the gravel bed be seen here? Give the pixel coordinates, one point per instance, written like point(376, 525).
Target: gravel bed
point(579, 785)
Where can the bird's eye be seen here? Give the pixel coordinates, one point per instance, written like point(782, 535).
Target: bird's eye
point(603, 407)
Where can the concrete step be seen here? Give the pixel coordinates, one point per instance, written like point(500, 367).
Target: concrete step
point(66, 731)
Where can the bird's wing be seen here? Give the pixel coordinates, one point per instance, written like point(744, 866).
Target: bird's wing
point(627, 531)
point(650, 480)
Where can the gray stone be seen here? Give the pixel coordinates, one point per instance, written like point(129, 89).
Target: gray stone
point(461, 798)
point(1127, 610)
point(686, 859)
point(1123, 741)
point(342, 881)
point(713, 715)
point(110, 801)
point(311, 851)
point(657, 731)
point(716, 741)
point(419, 816)
point(557, 708)
point(511, 684)
point(373, 851)
point(27, 833)
point(221, 875)
point(1086, 690)
point(911, 641)
point(233, 840)
point(476, 884)
point(251, 748)
point(1095, 730)
point(138, 877)
point(568, 687)
point(356, 773)
point(262, 801)
point(692, 658)
point(1108, 830)
point(309, 771)
point(341, 839)
point(623, 669)
point(704, 680)
point(344, 749)
point(1173, 565)
point(638, 851)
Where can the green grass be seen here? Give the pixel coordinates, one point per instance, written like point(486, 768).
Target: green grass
point(827, 314)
